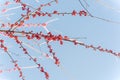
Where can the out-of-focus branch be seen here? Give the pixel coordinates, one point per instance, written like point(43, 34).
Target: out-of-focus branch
point(90, 14)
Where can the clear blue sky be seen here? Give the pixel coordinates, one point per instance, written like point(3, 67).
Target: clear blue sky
point(77, 62)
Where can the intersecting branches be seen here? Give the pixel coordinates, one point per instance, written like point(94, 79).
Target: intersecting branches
point(11, 30)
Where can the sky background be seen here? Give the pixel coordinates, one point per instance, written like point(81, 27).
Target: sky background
point(77, 62)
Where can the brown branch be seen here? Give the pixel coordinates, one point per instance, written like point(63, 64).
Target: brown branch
point(107, 20)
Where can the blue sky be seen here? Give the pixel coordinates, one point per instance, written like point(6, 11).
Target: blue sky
point(77, 62)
